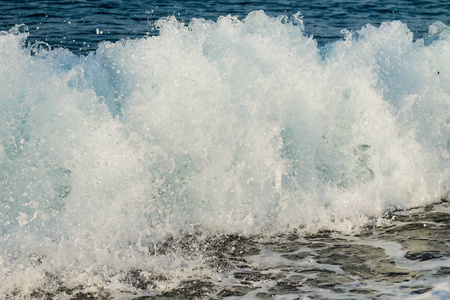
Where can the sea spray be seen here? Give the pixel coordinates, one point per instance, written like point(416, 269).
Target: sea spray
point(235, 126)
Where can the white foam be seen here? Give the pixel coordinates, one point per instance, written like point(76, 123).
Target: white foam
point(238, 126)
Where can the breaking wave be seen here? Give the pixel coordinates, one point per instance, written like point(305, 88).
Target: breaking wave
point(235, 126)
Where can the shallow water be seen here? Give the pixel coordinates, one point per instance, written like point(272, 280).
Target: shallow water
point(225, 157)
point(406, 258)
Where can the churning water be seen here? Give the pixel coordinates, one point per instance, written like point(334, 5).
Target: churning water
point(230, 156)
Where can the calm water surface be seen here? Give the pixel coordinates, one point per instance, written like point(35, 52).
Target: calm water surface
point(74, 24)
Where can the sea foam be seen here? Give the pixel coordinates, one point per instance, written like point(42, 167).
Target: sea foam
point(235, 126)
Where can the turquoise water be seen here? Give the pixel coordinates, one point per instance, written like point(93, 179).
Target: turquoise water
point(137, 166)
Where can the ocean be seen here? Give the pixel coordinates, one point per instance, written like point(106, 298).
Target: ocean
point(224, 150)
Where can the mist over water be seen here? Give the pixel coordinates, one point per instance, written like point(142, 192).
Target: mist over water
point(241, 126)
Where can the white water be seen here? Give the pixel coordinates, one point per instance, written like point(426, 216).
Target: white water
point(236, 126)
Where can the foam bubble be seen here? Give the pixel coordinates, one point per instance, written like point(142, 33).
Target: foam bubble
point(237, 126)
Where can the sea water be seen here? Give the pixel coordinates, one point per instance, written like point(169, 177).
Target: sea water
point(222, 150)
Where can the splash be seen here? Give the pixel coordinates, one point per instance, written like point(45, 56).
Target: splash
point(235, 126)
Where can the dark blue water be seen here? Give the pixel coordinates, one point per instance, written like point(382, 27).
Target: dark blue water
point(73, 24)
